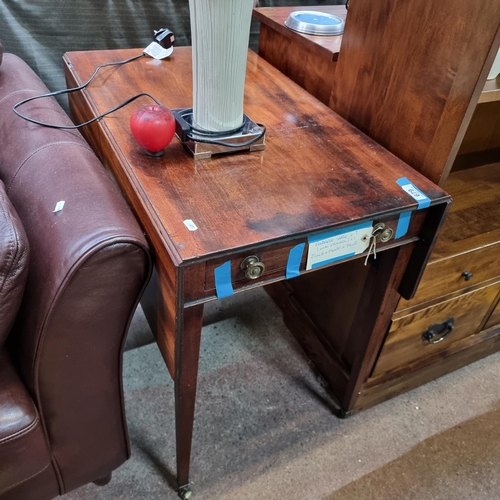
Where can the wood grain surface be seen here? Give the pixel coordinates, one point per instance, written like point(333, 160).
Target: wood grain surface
point(327, 47)
point(494, 319)
point(409, 73)
point(316, 172)
point(309, 60)
point(405, 84)
point(404, 343)
point(469, 240)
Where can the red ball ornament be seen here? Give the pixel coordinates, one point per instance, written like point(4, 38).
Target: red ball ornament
point(153, 127)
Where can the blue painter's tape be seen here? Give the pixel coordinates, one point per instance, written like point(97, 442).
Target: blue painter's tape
point(294, 259)
point(223, 286)
point(403, 224)
point(422, 200)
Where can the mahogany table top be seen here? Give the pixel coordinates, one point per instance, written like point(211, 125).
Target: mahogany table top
point(317, 172)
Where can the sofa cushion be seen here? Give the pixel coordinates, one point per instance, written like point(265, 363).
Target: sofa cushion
point(14, 260)
point(20, 430)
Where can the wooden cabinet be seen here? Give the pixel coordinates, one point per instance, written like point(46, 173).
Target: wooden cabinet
point(467, 254)
point(494, 318)
point(424, 96)
point(418, 335)
point(461, 284)
point(307, 59)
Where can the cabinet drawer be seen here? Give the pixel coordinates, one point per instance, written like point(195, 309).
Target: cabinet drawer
point(494, 319)
point(448, 275)
point(405, 343)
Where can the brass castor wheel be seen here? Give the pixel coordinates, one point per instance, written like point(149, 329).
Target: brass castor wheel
point(185, 492)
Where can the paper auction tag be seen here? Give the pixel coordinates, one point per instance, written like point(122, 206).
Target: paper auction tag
point(338, 244)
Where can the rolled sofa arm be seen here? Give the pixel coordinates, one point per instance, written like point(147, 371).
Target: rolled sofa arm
point(89, 264)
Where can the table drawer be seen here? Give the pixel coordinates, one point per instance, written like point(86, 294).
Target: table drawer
point(405, 341)
point(275, 257)
point(449, 275)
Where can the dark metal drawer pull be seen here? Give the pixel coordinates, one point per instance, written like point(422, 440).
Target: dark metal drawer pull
point(441, 329)
point(467, 276)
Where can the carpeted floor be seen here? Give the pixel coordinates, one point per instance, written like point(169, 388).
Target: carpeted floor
point(265, 429)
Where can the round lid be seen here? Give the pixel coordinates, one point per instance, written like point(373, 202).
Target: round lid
point(315, 23)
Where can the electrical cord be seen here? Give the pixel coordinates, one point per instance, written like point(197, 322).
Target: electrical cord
point(231, 144)
point(213, 135)
point(81, 87)
point(210, 137)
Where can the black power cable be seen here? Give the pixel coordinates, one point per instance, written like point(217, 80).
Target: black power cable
point(211, 140)
point(230, 144)
point(211, 137)
point(81, 87)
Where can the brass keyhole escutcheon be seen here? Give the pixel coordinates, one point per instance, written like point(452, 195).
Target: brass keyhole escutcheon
point(252, 267)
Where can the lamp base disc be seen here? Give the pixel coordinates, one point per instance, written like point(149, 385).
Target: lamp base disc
point(248, 137)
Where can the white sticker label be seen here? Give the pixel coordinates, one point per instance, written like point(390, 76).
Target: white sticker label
point(190, 225)
point(59, 206)
point(414, 192)
point(337, 245)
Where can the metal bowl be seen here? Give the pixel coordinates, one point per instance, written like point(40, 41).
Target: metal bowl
point(315, 23)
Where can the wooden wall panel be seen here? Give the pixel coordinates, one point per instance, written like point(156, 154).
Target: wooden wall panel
point(410, 73)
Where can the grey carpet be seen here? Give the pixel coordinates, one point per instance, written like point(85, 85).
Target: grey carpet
point(264, 425)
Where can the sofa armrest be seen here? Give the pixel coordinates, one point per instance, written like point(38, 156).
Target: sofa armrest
point(89, 264)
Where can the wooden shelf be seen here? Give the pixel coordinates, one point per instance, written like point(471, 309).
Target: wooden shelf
point(474, 218)
point(491, 91)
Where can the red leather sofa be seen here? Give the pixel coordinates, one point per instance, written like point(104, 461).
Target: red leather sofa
point(69, 284)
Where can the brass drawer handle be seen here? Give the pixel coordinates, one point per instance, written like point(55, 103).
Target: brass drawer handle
point(252, 267)
point(467, 276)
point(386, 234)
point(441, 329)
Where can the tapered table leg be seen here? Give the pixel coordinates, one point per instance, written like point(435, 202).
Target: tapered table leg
point(186, 375)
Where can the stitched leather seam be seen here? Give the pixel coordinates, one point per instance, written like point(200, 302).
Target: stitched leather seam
point(23, 432)
point(24, 480)
point(15, 250)
point(17, 92)
point(41, 149)
point(10, 254)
